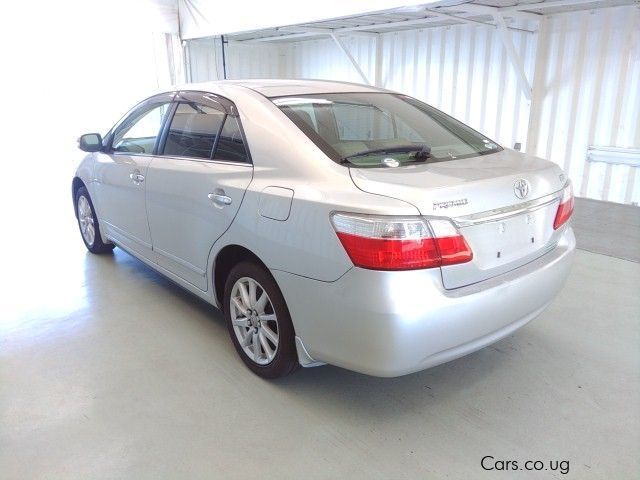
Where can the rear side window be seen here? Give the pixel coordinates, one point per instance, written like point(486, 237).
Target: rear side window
point(193, 131)
point(307, 114)
point(231, 146)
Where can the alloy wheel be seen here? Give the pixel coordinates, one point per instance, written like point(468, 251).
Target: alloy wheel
point(85, 218)
point(254, 321)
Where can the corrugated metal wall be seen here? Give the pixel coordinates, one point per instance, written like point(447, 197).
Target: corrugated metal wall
point(588, 93)
point(462, 70)
point(586, 89)
point(243, 60)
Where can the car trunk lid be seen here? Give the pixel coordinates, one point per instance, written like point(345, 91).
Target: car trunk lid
point(481, 195)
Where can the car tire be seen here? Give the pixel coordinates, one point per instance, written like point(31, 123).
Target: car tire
point(262, 331)
point(88, 223)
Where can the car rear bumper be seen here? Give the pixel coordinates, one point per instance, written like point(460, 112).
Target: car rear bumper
point(394, 323)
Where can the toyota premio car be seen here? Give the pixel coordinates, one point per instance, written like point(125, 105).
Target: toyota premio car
point(331, 222)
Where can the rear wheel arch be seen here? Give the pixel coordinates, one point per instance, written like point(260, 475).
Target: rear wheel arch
point(225, 260)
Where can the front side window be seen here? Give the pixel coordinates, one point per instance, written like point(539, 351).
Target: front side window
point(382, 129)
point(138, 133)
point(193, 131)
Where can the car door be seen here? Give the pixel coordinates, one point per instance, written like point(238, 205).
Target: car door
point(196, 183)
point(120, 175)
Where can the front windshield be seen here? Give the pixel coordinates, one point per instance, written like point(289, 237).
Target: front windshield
point(382, 129)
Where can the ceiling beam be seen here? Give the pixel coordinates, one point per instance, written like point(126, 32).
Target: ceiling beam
point(350, 30)
point(377, 26)
point(434, 17)
point(319, 30)
point(287, 37)
point(303, 28)
point(458, 19)
point(544, 5)
point(522, 11)
point(489, 10)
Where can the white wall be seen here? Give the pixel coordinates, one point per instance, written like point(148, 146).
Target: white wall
point(243, 60)
point(587, 91)
point(461, 70)
point(69, 68)
point(81, 63)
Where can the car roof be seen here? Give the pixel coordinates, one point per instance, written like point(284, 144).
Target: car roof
point(279, 87)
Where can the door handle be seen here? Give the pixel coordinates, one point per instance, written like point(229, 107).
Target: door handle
point(220, 198)
point(137, 177)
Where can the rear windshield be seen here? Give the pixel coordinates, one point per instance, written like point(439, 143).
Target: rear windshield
point(382, 129)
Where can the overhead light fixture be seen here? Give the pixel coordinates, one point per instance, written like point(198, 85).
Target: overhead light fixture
point(614, 155)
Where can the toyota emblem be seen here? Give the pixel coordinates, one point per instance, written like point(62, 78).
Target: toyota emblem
point(521, 188)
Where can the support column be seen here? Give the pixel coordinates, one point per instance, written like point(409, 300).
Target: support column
point(379, 54)
point(538, 91)
point(514, 58)
point(346, 51)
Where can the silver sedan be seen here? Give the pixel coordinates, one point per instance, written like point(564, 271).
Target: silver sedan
point(330, 222)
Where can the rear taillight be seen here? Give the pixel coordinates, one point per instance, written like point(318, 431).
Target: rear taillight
point(565, 209)
point(400, 243)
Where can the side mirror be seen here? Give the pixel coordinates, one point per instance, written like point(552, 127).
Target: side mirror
point(90, 142)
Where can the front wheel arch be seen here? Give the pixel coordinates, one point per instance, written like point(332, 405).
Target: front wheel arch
point(76, 185)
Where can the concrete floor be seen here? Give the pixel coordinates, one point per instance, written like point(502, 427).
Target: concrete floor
point(608, 228)
point(108, 370)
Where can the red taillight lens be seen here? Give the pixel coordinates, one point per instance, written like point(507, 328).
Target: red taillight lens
point(565, 209)
point(388, 254)
point(400, 243)
point(453, 250)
